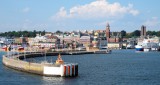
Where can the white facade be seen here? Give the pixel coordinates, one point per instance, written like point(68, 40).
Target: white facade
point(42, 41)
point(6, 40)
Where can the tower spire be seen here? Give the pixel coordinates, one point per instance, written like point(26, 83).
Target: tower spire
point(108, 26)
point(107, 30)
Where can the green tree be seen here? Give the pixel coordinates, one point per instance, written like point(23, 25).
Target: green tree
point(34, 33)
point(128, 35)
point(149, 33)
point(158, 33)
point(136, 33)
point(20, 33)
point(44, 32)
point(123, 33)
point(59, 32)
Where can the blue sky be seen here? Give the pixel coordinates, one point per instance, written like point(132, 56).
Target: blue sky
point(69, 15)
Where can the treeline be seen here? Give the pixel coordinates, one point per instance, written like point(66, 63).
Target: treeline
point(137, 33)
point(22, 33)
point(124, 34)
point(153, 33)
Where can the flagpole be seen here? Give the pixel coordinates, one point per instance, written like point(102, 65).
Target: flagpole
point(24, 54)
point(7, 51)
point(45, 56)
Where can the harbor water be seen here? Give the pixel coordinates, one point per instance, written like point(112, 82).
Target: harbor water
point(121, 67)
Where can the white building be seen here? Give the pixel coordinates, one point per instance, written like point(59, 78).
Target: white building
point(44, 41)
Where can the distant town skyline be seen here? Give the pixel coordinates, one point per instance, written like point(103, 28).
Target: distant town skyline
point(65, 15)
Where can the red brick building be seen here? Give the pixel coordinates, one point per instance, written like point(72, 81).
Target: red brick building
point(113, 38)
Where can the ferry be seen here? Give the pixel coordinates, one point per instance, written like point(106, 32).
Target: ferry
point(139, 48)
point(147, 45)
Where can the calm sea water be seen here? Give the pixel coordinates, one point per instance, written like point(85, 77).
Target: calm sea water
point(121, 67)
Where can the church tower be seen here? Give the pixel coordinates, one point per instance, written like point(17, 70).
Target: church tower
point(107, 31)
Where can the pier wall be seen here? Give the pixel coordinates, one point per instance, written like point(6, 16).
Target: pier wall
point(46, 69)
point(23, 65)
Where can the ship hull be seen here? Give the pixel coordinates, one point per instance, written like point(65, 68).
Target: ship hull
point(139, 48)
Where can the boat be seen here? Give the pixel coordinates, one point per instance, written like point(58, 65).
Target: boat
point(130, 46)
point(158, 48)
point(146, 49)
point(147, 45)
point(103, 48)
point(20, 48)
point(4, 48)
point(82, 48)
point(139, 48)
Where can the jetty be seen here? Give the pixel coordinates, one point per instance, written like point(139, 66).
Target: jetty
point(59, 68)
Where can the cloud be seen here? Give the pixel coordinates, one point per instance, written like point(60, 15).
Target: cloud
point(26, 10)
point(152, 22)
point(96, 9)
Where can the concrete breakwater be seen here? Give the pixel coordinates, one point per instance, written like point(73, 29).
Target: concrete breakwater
point(46, 69)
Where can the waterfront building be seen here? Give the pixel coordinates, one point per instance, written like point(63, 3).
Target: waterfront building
point(51, 42)
point(95, 41)
point(99, 39)
point(44, 41)
point(48, 34)
point(31, 41)
point(103, 42)
point(85, 40)
point(21, 40)
point(115, 45)
point(68, 39)
point(2, 41)
point(6, 41)
point(114, 39)
point(131, 42)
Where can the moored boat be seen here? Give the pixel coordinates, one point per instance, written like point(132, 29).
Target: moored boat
point(4, 48)
point(146, 49)
point(20, 48)
point(129, 46)
point(139, 48)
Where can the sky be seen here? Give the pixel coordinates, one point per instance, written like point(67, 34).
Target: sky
point(74, 15)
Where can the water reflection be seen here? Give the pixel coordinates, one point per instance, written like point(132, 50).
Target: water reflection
point(53, 80)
